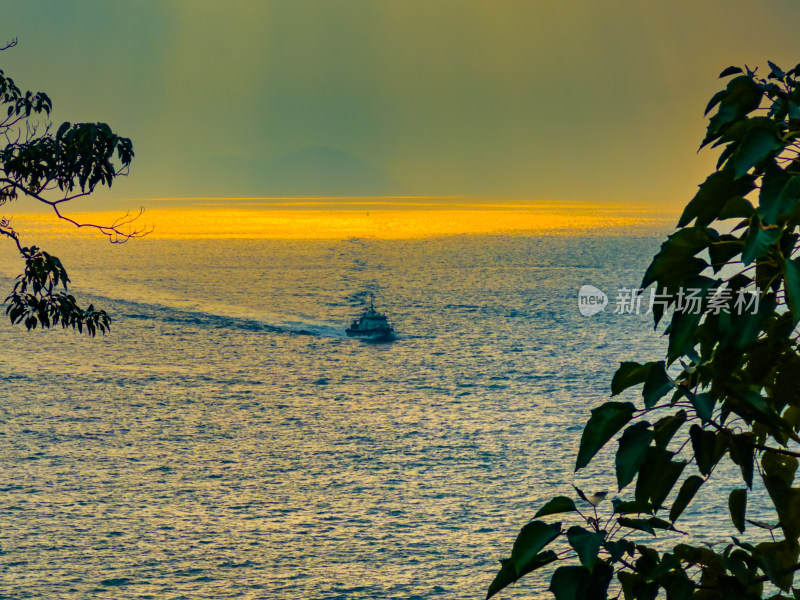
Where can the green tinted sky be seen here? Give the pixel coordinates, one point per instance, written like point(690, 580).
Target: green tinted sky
point(546, 99)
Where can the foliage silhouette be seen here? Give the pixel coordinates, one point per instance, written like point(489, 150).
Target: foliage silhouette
point(54, 169)
point(728, 386)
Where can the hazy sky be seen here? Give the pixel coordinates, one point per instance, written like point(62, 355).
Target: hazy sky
point(543, 99)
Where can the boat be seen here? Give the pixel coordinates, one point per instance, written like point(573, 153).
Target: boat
point(371, 325)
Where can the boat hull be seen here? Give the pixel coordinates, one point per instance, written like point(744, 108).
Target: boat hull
point(371, 335)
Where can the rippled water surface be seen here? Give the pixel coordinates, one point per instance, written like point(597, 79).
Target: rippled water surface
point(226, 440)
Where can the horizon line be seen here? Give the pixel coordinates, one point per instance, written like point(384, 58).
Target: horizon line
point(336, 197)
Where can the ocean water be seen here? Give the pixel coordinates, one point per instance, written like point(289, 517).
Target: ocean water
point(227, 440)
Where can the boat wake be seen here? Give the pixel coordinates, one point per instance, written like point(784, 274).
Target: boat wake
point(212, 316)
point(218, 318)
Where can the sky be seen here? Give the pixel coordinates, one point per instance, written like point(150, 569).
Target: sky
point(570, 100)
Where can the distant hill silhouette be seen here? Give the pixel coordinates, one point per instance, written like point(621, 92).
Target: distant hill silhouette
point(314, 171)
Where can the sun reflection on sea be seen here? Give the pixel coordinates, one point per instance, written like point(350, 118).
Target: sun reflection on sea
point(381, 219)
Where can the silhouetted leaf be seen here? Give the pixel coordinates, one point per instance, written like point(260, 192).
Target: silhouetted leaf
point(764, 525)
point(704, 445)
point(592, 499)
point(666, 427)
point(508, 574)
point(676, 582)
point(586, 544)
point(617, 548)
point(657, 477)
point(779, 465)
point(702, 403)
point(737, 207)
point(792, 417)
point(715, 193)
point(628, 507)
point(715, 99)
point(676, 261)
point(559, 504)
point(759, 240)
point(791, 270)
point(775, 71)
point(761, 141)
point(657, 385)
point(630, 455)
point(745, 327)
point(723, 251)
point(787, 504)
point(777, 560)
point(578, 583)
point(683, 334)
point(729, 71)
point(685, 495)
point(741, 96)
point(505, 577)
point(526, 555)
point(700, 556)
point(640, 524)
point(637, 587)
point(606, 420)
point(653, 374)
point(531, 539)
point(741, 452)
point(628, 375)
point(657, 523)
point(779, 193)
point(737, 505)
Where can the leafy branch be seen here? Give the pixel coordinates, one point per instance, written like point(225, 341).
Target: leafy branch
point(727, 386)
point(36, 299)
point(55, 168)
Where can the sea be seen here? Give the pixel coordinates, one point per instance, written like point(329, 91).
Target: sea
point(227, 440)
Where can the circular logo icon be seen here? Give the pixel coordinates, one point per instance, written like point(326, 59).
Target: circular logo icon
point(591, 300)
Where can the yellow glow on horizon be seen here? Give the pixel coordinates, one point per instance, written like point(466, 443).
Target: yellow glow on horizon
point(381, 220)
point(299, 199)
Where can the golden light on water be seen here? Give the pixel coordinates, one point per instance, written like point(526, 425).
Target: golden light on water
point(311, 219)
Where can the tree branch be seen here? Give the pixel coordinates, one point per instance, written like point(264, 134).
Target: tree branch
point(115, 232)
point(765, 578)
point(5, 229)
point(777, 450)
